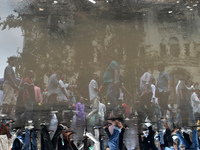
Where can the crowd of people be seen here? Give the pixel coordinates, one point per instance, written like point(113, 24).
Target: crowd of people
point(55, 115)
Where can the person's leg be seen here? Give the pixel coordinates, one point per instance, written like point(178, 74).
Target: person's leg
point(195, 143)
point(187, 138)
point(142, 103)
point(140, 142)
point(169, 138)
point(8, 96)
point(56, 136)
point(7, 131)
point(164, 103)
point(182, 140)
point(101, 143)
point(43, 147)
point(95, 110)
point(191, 114)
point(179, 115)
point(34, 140)
point(3, 129)
point(96, 142)
point(161, 138)
point(27, 139)
point(61, 107)
point(46, 137)
point(73, 146)
point(112, 95)
point(85, 143)
point(51, 102)
point(121, 138)
point(150, 137)
point(12, 105)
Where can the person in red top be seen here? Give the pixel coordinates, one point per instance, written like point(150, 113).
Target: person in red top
point(127, 110)
point(38, 94)
point(29, 93)
point(28, 96)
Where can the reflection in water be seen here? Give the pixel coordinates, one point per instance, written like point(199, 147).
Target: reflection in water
point(68, 45)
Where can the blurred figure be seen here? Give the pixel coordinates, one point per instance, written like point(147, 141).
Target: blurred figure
point(53, 88)
point(195, 102)
point(146, 139)
point(9, 85)
point(194, 144)
point(111, 81)
point(80, 111)
point(185, 103)
point(63, 100)
point(94, 99)
point(126, 111)
point(145, 92)
point(163, 85)
point(113, 136)
point(29, 97)
point(154, 102)
point(38, 94)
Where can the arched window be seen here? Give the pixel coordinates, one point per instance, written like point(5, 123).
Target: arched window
point(174, 47)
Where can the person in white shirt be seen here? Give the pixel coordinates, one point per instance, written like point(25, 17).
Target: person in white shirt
point(195, 102)
point(154, 100)
point(94, 98)
point(146, 92)
point(62, 98)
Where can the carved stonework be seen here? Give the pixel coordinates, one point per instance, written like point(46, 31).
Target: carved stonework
point(193, 52)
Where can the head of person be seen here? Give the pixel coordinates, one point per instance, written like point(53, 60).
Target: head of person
point(108, 59)
point(196, 90)
point(81, 99)
point(144, 68)
point(95, 75)
point(12, 61)
point(31, 74)
point(59, 73)
point(161, 67)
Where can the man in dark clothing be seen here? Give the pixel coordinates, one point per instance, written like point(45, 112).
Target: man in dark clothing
point(168, 140)
point(51, 144)
point(147, 143)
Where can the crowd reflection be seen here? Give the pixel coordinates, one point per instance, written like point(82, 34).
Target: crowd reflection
point(61, 118)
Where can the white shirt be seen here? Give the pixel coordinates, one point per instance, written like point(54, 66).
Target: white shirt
point(195, 102)
point(92, 86)
point(102, 110)
point(154, 93)
point(145, 80)
point(61, 95)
